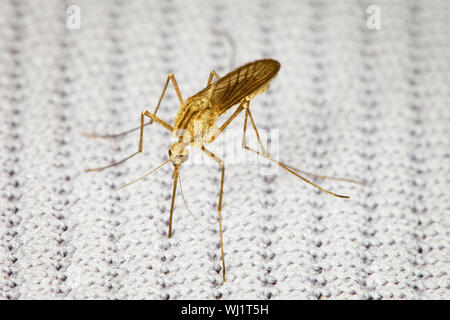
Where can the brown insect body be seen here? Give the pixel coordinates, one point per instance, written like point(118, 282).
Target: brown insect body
point(206, 106)
point(196, 111)
point(196, 119)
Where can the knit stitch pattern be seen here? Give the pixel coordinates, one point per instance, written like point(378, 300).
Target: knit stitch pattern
point(349, 101)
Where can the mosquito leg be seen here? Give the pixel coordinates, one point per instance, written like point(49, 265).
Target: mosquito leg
point(152, 117)
point(211, 75)
point(126, 158)
point(244, 137)
point(170, 77)
point(325, 177)
point(141, 135)
point(231, 118)
point(117, 135)
point(108, 137)
point(248, 114)
point(158, 120)
point(239, 109)
point(295, 169)
point(222, 165)
point(172, 203)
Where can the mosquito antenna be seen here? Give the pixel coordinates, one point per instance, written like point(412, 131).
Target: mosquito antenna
point(126, 185)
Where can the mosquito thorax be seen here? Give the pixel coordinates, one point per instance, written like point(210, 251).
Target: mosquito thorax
point(178, 153)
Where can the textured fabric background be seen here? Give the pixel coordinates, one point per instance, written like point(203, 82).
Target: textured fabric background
point(348, 101)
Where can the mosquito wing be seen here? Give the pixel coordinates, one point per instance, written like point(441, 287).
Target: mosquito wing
point(209, 104)
point(240, 83)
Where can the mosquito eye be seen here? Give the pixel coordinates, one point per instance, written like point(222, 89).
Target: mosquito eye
point(170, 153)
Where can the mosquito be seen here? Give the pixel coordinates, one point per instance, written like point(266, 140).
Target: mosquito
point(238, 87)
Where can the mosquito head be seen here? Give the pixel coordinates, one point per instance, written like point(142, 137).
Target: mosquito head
point(178, 154)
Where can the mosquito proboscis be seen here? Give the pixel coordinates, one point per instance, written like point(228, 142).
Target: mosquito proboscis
point(238, 87)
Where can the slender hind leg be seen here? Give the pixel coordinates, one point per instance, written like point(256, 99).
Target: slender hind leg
point(325, 177)
point(222, 165)
point(288, 168)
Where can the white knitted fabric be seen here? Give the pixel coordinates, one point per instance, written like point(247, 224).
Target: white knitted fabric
point(372, 105)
